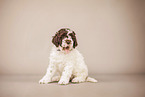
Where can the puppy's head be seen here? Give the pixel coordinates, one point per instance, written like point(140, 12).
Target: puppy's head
point(65, 40)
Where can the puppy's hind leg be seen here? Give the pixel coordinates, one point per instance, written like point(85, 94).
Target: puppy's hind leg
point(79, 78)
point(55, 78)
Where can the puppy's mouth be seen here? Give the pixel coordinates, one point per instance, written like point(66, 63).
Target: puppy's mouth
point(66, 49)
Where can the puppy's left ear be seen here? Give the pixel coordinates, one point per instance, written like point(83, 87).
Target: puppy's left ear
point(75, 44)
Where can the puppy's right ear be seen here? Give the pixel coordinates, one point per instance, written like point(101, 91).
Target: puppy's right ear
point(55, 40)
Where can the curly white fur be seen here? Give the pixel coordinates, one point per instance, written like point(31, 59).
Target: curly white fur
point(67, 65)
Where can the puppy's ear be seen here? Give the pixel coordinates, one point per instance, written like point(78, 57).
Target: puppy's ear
point(55, 40)
point(74, 39)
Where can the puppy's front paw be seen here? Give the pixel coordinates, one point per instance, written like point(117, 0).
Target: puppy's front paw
point(45, 80)
point(63, 82)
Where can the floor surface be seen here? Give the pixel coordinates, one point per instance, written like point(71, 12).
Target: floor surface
point(108, 86)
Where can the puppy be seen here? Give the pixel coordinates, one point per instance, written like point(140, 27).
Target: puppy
point(66, 60)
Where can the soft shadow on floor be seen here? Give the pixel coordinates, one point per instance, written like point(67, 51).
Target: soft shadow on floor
point(107, 86)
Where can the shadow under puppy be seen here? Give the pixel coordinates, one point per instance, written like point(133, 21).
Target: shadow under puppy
point(66, 60)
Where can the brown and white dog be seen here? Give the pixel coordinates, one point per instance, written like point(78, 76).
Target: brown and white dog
point(66, 60)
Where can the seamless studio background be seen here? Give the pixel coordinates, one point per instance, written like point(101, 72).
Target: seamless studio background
point(110, 33)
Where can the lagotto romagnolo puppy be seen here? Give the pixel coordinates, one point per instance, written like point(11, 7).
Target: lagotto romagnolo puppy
point(66, 60)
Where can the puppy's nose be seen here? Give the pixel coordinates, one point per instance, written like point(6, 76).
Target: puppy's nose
point(68, 41)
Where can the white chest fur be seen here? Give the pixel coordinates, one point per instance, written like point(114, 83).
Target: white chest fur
point(60, 59)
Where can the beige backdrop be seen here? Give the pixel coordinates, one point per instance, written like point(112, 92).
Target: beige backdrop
point(111, 34)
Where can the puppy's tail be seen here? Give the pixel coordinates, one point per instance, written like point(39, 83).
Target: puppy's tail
point(89, 79)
